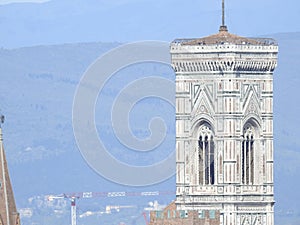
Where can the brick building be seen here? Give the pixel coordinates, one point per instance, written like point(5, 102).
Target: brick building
point(171, 216)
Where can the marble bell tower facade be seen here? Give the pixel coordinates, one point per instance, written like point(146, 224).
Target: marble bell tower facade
point(224, 126)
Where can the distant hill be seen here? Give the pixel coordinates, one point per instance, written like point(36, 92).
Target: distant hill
point(36, 95)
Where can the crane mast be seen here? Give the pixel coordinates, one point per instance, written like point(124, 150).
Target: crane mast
point(73, 211)
point(73, 204)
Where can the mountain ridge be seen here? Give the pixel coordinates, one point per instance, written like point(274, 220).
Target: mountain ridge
point(37, 90)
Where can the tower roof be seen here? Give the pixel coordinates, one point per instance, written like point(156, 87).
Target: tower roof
point(222, 37)
point(224, 52)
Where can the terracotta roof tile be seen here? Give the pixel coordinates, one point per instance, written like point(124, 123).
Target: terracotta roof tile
point(221, 38)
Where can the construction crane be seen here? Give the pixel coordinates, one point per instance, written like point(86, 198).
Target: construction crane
point(73, 204)
point(74, 196)
point(73, 211)
point(145, 218)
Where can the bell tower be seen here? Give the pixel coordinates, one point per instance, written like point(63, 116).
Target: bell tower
point(224, 126)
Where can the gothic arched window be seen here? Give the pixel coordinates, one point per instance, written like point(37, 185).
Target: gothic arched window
point(206, 153)
point(248, 155)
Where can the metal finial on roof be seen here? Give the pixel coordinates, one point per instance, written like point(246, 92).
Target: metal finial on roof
point(223, 27)
point(223, 13)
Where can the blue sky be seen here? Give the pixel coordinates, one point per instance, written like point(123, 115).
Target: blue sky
point(5, 2)
point(26, 23)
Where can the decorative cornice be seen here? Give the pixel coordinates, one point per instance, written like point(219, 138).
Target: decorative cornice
point(224, 65)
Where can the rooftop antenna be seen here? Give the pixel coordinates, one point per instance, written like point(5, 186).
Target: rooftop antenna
point(223, 27)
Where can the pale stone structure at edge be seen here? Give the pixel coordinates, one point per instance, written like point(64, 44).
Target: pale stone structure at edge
point(8, 210)
point(224, 131)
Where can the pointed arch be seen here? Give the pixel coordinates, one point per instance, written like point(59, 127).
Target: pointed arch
point(206, 154)
point(198, 121)
point(249, 147)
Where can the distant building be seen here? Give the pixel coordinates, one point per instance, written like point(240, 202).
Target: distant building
point(26, 212)
point(171, 216)
point(224, 130)
point(8, 210)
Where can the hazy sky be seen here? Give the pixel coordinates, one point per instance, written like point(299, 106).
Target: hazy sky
point(5, 2)
point(26, 23)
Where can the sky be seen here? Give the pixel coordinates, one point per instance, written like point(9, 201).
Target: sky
point(6, 2)
point(42, 22)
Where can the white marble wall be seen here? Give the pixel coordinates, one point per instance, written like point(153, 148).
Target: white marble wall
point(228, 87)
